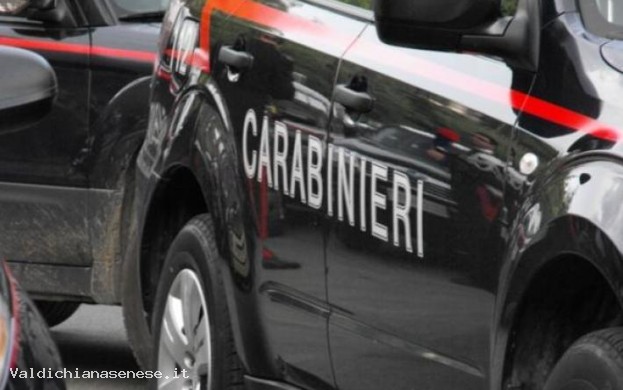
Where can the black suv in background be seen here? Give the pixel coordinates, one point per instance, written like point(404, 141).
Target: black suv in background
point(320, 208)
point(65, 182)
point(28, 86)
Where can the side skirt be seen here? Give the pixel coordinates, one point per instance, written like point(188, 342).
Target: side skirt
point(54, 282)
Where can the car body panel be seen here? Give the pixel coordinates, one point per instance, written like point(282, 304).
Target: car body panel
point(567, 204)
point(504, 169)
point(68, 178)
point(39, 158)
point(439, 123)
point(278, 260)
point(290, 82)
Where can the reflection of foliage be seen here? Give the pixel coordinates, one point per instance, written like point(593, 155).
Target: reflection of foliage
point(509, 7)
point(367, 4)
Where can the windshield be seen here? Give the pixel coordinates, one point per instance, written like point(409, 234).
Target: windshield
point(125, 8)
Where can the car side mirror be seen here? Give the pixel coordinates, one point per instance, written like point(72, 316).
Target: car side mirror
point(28, 88)
point(463, 25)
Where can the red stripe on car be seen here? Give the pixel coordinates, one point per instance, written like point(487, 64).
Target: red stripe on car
point(296, 25)
point(76, 48)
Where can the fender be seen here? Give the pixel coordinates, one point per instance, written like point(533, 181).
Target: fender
point(575, 211)
point(238, 238)
point(118, 134)
point(154, 168)
point(214, 159)
point(201, 138)
point(111, 151)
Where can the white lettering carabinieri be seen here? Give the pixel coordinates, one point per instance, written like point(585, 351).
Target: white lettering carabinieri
point(303, 177)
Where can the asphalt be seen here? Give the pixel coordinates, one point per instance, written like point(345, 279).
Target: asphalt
point(94, 339)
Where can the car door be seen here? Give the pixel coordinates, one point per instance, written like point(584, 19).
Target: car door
point(418, 165)
point(276, 69)
point(42, 190)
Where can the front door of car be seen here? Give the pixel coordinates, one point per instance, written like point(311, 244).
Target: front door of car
point(417, 217)
point(276, 68)
point(42, 189)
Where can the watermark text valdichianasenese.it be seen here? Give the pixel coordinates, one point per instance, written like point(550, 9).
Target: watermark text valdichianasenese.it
point(94, 374)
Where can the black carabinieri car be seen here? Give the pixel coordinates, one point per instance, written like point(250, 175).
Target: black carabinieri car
point(423, 196)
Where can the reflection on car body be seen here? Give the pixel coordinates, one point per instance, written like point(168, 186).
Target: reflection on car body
point(372, 202)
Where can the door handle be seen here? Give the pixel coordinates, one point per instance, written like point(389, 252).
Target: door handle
point(357, 101)
point(240, 60)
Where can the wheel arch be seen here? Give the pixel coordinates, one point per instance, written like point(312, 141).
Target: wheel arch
point(566, 240)
point(109, 159)
point(203, 160)
point(118, 134)
point(215, 150)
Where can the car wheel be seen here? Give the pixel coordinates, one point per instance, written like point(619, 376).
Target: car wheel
point(191, 324)
point(593, 362)
point(56, 313)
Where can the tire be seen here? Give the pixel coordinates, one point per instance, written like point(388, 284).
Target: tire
point(594, 362)
point(56, 313)
point(191, 281)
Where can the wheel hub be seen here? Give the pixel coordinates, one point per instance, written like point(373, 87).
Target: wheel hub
point(185, 347)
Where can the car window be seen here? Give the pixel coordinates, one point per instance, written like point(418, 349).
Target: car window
point(603, 17)
point(131, 7)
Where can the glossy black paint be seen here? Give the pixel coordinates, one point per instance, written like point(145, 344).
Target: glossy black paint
point(291, 81)
point(439, 135)
point(65, 179)
point(508, 171)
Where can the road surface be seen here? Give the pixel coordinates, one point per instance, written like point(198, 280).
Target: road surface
point(94, 339)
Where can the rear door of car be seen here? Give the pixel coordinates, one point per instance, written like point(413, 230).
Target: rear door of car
point(418, 165)
point(276, 69)
point(42, 187)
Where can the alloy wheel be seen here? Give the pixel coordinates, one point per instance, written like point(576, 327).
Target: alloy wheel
point(185, 345)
